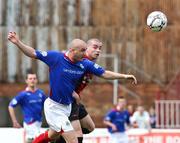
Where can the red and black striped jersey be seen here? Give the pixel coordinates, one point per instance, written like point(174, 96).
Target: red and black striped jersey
point(86, 79)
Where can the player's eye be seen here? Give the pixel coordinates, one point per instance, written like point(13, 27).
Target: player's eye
point(95, 46)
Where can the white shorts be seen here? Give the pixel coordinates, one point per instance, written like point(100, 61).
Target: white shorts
point(32, 130)
point(57, 115)
point(119, 138)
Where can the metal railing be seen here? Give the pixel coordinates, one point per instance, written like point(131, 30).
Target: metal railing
point(167, 113)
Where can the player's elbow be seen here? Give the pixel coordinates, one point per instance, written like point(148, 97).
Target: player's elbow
point(10, 108)
point(107, 75)
point(32, 54)
point(105, 122)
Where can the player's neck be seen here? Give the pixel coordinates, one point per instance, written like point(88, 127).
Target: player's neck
point(89, 57)
point(119, 108)
point(32, 89)
point(70, 56)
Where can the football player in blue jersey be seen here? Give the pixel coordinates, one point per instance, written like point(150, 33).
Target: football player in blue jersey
point(116, 121)
point(31, 101)
point(79, 117)
point(65, 72)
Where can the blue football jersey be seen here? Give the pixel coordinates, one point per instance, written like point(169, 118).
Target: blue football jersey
point(119, 118)
point(31, 103)
point(65, 75)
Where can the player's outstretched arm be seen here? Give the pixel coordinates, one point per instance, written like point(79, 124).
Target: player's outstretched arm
point(113, 75)
point(27, 50)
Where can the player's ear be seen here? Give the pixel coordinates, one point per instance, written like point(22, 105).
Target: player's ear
point(71, 49)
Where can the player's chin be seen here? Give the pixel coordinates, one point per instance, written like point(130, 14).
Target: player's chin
point(96, 56)
point(32, 85)
point(80, 58)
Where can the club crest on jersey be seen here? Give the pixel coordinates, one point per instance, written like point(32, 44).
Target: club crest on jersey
point(96, 66)
point(43, 53)
point(40, 95)
point(28, 93)
point(81, 65)
point(14, 101)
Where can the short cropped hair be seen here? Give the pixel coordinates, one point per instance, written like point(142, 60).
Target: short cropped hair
point(93, 39)
point(29, 71)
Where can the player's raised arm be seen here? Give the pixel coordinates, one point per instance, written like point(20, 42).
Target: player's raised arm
point(27, 50)
point(112, 75)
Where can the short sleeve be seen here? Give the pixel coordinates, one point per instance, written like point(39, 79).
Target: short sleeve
point(16, 100)
point(95, 68)
point(49, 57)
point(108, 116)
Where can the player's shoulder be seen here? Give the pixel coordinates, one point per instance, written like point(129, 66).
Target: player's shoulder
point(113, 110)
point(126, 112)
point(56, 52)
point(21, 93)
point(52, 52)
point(87, 62)
point(41, 91)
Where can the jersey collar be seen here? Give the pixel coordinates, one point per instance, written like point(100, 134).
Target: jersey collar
point(66, 57)
point(28, 90)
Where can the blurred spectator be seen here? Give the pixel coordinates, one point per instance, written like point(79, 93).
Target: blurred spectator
point(141, 119)
point(116, 121)
point(152, 117)
point(130, 109)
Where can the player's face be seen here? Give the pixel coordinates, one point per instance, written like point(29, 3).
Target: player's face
point(79, 53)
point(93, 50)
point(31, 80)
point(130, 108)
point(121, 104)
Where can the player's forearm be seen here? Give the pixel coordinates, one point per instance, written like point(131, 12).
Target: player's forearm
point(107, 123)
point(112, 75)
point(12, 114)
point(27, 50)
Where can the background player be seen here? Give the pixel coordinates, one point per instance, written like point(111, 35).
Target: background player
point(116, 121)
point(31, 101)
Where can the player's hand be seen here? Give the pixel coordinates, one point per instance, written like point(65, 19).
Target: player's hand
point(77, 97)
point(114, 127)
point(135, 125)
point(133, 78)
point(13, 37)
point(16, 125)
